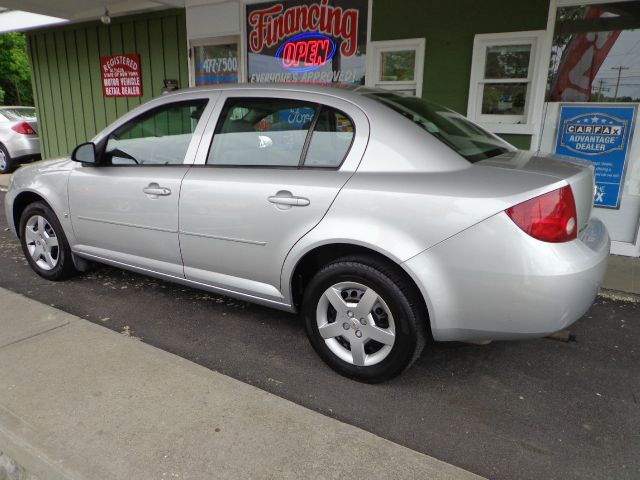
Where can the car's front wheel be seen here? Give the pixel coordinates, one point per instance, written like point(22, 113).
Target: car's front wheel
point(44, 243)
point(364, 319)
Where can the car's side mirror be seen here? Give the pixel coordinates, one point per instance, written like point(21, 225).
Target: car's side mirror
point(85, 153)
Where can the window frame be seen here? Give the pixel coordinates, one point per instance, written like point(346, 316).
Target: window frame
point(305, 148)
point(214, 42)
point(101, 145)
point(506, 124)
point(376, 49)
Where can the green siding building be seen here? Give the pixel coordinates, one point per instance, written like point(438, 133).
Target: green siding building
point(509, 66)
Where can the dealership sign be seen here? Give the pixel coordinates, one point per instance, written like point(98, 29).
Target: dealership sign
point(313, 42)
point(121, 75)
point(600, 134)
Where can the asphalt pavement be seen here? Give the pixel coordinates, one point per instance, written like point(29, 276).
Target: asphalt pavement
point(510, 410)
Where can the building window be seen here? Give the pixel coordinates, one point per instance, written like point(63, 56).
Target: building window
point(398, 65)
point(504, 82)
point(215, 61)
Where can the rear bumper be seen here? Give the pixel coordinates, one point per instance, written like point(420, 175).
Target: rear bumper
point(23, 148)
point(494, 282)
point(34, 157)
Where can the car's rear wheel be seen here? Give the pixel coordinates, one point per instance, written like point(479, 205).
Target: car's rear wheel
point(5, 160)
point(44, 243)
point(364, 319)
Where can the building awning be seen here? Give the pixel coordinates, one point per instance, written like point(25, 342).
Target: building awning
point(16, 15)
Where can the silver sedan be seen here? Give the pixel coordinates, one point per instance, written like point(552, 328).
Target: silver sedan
point(19, 141)
point(386, 221)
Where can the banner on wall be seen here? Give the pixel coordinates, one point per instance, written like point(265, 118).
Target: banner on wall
point(581, 62)
point(121, 75)
point(601, 134)
point(319, 41)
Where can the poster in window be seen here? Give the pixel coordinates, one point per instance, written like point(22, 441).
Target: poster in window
point(216, 64)
point(601, 134)
point(321, 41)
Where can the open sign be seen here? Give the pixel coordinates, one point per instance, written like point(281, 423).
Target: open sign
point(306, 52)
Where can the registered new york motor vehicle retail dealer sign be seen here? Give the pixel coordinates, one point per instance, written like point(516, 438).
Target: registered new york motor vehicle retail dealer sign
point(121, 75)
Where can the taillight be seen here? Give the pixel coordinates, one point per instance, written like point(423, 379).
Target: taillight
point(23, 128)
point(550, 217)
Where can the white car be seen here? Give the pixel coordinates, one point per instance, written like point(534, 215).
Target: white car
point(19, 141)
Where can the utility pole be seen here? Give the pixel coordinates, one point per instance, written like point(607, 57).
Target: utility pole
point(601, 88)
point(619, 69)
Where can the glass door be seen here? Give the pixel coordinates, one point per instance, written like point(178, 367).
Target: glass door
point(593, 93)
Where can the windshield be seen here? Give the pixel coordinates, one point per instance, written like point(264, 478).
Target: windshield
point(19, 113)
point(466, 138)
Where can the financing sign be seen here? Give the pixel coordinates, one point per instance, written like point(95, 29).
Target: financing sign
point(322, 41)
point(601, 134)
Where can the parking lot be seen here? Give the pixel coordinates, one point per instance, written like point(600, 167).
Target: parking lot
point(526, 410)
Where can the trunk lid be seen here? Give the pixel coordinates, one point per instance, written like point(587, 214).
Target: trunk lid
point(579, 174)
point(34, 125)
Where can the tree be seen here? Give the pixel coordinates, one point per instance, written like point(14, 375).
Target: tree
point(15, 73)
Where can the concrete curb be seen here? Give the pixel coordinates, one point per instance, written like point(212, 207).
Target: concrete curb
point(79, 401)
point(619, 296)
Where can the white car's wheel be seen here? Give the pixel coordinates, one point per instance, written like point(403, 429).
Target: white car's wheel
point(5, 160)
point(364, 319)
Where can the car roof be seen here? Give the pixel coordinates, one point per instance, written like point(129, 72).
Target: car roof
point(345, 91)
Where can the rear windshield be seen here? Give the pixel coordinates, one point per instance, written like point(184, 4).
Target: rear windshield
point(21, 113)
point(466, 138)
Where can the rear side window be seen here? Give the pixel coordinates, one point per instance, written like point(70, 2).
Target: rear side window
point(331, 139)
point(262, 132)
point(159, 137)
point(268, 132)
point(19, 113)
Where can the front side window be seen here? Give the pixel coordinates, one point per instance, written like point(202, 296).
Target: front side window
point(465, 138)
point(158, 137)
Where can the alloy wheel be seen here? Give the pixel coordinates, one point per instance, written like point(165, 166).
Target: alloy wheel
point(3, 160)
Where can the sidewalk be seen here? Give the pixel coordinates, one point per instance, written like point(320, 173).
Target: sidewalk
point(623, 274)
point(78, 401)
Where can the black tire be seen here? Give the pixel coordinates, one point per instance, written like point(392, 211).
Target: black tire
point(400, 297)
point(64, 267)
point(7, 165)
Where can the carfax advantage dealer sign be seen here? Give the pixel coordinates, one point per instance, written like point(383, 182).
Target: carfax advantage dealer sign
point(600, 133)
point(321, 41)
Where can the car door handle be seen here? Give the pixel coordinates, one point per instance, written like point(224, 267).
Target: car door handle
point(285, 200)
point(154, 190)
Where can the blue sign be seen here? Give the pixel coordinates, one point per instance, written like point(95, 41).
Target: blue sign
point(601, 134)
